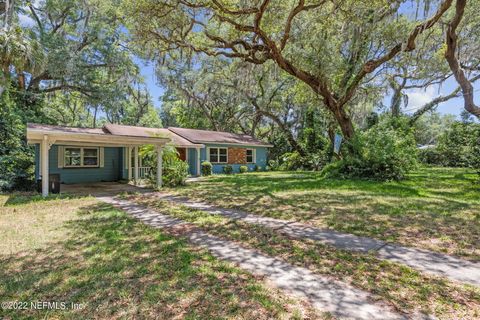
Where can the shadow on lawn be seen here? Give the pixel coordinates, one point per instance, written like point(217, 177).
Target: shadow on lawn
point(29, 197)
point(436, 208)
point(118, 267)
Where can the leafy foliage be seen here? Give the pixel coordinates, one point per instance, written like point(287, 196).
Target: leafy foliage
point(243, 169)
point(227, 169)
point(16, 157)
point(386, 151)
point(291, 161)
point(206, 168)
point(458, 146)
point(175, 171)
point(273, 165)
point(430, 127)
point(365, 35)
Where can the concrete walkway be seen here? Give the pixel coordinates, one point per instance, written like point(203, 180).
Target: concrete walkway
point(326, 294)
point(422, 260)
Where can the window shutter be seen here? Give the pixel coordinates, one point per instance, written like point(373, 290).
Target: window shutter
point(102, 158)
point(61, 156)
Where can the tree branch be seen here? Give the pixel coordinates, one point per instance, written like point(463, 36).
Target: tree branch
point(37, 19)
point(288, 25)
point(459, 74)
point(235, 12)
point(68, 87)
point(408, 46)
point(435, 102)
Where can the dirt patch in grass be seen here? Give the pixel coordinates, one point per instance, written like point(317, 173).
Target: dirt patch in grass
point(434, 208)
point(407, 290)
point(115, 267)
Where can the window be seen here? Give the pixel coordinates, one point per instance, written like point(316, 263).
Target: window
point(218, 155)
point(73, 157)
point(90, 157)
point(81, 157)
point(250, 156)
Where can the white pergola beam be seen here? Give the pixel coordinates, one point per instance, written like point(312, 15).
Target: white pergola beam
point(44, 148)
point(135, 164)
point(159, 166)
point(199, 173)
point(129, 162)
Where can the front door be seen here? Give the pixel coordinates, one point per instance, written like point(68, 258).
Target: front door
point(182, 154)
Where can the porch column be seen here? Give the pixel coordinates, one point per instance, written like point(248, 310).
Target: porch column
point(44, 147)
point(199, 173)
point(159, 166)
point(135, 169)
point(129, 163)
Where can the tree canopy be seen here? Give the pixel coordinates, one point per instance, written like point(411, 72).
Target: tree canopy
point(337, 48)
point(293, 72)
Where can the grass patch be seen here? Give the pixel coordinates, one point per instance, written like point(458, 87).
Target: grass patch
point(91, 254)
point(404, 288)
point(433, 208)
point(31, 222)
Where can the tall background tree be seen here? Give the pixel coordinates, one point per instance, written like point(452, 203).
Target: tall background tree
point(63, 62)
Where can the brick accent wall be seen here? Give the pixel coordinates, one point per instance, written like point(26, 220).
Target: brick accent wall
point(237, 156)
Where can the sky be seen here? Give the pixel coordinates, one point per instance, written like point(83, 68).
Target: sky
point(147, 70)
point(418, 97)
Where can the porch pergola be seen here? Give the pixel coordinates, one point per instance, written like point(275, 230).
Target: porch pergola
point(47, 136)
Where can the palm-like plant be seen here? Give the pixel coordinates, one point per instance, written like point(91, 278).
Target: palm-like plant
point(19, 52)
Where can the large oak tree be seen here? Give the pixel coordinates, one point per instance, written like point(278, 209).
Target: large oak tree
point(334, 47)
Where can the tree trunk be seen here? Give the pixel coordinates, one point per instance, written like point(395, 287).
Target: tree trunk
point(21, 80)
point(8, 15)
point(396, 101)
point(345, 122)
point(450, 56)
point(95, 117)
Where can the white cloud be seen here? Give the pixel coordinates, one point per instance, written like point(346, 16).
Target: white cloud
point(418, 97)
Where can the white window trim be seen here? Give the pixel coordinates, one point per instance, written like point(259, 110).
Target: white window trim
point(218, 155)
point(81, 157)
point(254, 156)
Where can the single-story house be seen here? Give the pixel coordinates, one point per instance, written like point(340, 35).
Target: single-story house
point(110, 153)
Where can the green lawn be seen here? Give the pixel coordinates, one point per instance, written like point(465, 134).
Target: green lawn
point(434, 208)
point(82, 251)
point(405, 289)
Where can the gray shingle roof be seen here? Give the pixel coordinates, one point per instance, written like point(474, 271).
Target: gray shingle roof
point(123, 130)
point(206, 136)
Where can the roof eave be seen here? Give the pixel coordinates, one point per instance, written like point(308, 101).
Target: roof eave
point(237, 144)
point(33, 135)
point(194, 146)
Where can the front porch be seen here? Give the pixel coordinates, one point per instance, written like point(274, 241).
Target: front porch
point(85, 156)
